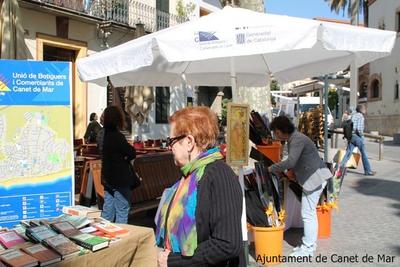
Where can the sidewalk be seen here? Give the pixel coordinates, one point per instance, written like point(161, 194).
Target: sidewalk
point(368, 220)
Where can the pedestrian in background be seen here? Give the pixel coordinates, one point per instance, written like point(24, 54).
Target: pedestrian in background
point(357, 140)
point(92, 130)
point(117, 175)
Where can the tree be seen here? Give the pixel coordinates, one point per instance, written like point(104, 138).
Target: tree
point(230, 2)
point(354, 8)
point(274, 86)
point(184, 11)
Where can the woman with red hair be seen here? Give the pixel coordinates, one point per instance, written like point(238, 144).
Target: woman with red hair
point(200, 219)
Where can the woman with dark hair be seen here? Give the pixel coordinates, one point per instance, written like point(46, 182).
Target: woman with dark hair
point(117, 175)
point(310, 172)
point(92, 130)
point(199, 222)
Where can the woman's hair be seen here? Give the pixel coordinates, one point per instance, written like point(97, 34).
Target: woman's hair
point(283, 124)
point(92, 116)
point(201, 122)
point(114, 118)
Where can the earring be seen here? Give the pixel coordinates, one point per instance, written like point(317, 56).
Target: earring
point(189, 156)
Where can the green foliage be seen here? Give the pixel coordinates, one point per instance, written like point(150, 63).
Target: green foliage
point(333, 99)
point(184, 11)
point(224, 110)
point(274, 86)
point(230, 2)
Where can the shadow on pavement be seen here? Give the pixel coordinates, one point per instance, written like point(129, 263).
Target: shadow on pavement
point(293, 236)
point(380, 188)
point(390, 143)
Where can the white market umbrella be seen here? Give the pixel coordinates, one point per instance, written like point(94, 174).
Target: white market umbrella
point(237, 41)
point(237, 46)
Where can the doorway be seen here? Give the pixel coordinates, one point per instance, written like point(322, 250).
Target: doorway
point(52, 48)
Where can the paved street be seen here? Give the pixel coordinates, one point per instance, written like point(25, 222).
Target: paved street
point(368, 220)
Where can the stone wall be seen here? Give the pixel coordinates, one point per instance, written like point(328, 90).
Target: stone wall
point(386, 125)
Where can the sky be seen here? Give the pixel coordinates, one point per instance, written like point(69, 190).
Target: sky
point(303, 8)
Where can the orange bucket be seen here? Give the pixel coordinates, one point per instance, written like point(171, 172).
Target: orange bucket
point(268, 242)
point(272, 151)
point(324, 222)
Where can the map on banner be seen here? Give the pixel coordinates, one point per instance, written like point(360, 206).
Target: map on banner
point(36, 148)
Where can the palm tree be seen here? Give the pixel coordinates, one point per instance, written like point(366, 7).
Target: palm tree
point(230, 2)
point(354, 8)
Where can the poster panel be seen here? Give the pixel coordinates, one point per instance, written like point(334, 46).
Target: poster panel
point(238, 134)
point(36, 141)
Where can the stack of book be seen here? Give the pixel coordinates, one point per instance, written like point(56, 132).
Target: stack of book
point(79, 210)
point(56, 239)
point(63, 246)
point(10, 239)
point(91, 242)
point(44, 255)
point(15, 257)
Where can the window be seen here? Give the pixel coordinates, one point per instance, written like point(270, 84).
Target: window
point(381, 24)
point(396, 90)
point(398, 21)
point(363, 92)
point(162, 104)
point(375, 89)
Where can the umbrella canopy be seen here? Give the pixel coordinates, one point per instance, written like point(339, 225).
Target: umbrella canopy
point(254, 44)
point(12, 40)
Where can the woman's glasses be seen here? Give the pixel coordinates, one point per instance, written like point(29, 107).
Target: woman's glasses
point(173, 140)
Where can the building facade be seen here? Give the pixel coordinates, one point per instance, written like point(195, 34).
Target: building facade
point(65, 30)
point(380, 91)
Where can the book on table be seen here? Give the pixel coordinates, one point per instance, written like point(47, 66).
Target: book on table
point(17, 258)
point(91, 242)
point(77, 221)
point(44, 255)
point(39, 233)
point(79, 210)
point(10, 239)
point(65, 228)
point(63, 246)
point(111, 229)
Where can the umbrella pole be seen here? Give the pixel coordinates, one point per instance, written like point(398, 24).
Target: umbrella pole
point(234, 81)
point(326, 118)
point(241, 173)
point(244, 221)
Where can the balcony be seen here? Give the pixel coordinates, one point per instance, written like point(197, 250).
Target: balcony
point(125, 12)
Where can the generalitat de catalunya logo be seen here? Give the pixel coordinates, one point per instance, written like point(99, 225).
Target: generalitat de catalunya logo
point(206, 37)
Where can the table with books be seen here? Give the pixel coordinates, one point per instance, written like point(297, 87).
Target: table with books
point(136, 248)
point(71, 240)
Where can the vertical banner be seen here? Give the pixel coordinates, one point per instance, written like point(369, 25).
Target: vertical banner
point(238, 134)
point(36, 143)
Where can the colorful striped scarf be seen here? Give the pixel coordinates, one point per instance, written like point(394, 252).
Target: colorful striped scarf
point(181, 222)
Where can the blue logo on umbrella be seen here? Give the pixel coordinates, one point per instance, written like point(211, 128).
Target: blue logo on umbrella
point(207, 36)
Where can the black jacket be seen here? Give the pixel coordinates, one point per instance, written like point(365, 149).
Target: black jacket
point(116, 157)
point(218, 220)
point(91, 132)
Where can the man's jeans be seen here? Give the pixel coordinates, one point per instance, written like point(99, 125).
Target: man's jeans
point(117, 206)
point(357, 141)
point(309, 202)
